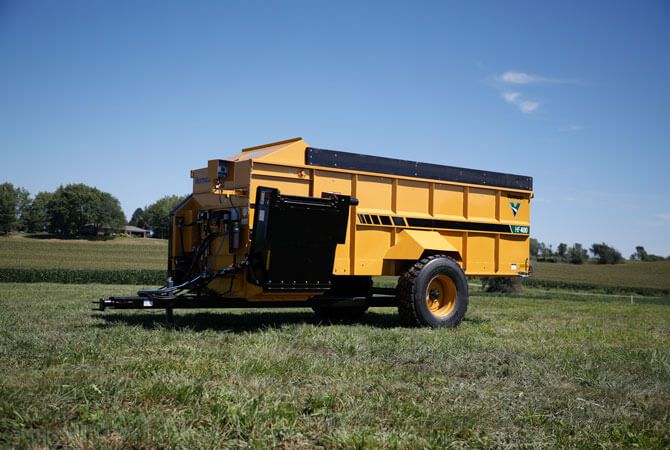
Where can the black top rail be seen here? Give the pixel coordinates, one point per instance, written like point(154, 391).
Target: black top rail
point(414, 169)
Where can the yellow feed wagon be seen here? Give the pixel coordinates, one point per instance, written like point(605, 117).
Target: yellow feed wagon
point(286, 224)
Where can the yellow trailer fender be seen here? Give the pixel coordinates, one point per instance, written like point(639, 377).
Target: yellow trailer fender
point(412, 244)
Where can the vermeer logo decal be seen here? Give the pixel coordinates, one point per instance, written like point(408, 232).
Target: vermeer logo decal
point(515, 207)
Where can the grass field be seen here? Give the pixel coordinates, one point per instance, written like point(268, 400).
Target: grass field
point(630, 274)
point(24, 252)
point(127, 254)
point(543, 370)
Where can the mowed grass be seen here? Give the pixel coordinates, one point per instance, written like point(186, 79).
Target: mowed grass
point(629, 274)
point(25, 252)
point(542, 370)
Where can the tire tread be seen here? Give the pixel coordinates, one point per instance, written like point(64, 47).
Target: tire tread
point(409, 316)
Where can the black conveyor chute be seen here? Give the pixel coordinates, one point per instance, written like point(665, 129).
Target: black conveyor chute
point(414, 169)
point(294, 240)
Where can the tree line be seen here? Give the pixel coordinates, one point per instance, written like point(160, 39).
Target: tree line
point(74, 210)
point(156, 217)
point(601, 253)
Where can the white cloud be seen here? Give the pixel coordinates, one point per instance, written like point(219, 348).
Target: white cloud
point(519, 78)
point(511, 97)
point(664, 216)
point(528, 106)
point(512, 77)
point(514, 98)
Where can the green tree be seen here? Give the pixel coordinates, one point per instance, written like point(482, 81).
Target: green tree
point(22, 204)
point(652, 258)
point(546, 253)
point(606, 254)
point(76, 205)
point(157, 215)
point(8, 202)
point(13, 204)
point(36, 216)
point(534, 248)
point(138, 219)
point(562, 251)
point(642, 255)
point(577, 254)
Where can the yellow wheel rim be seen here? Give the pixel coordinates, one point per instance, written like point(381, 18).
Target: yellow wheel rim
point(441, 296)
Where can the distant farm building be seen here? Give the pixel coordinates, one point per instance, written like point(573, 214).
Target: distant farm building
point(91, 229)
point(134, 231)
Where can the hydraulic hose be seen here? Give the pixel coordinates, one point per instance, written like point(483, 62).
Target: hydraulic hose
point(167, 290)
point(202, 277)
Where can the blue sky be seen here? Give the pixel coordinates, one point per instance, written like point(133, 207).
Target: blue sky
point(129, 96)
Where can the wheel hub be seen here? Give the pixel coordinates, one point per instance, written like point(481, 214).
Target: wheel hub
point(441, 295)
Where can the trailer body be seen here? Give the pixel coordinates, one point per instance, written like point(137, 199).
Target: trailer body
point(289, 223)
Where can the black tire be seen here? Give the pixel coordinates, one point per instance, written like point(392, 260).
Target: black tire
point(444, 305)
point(339, 314)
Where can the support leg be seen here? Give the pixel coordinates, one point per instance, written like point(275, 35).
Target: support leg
point(169, 317)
